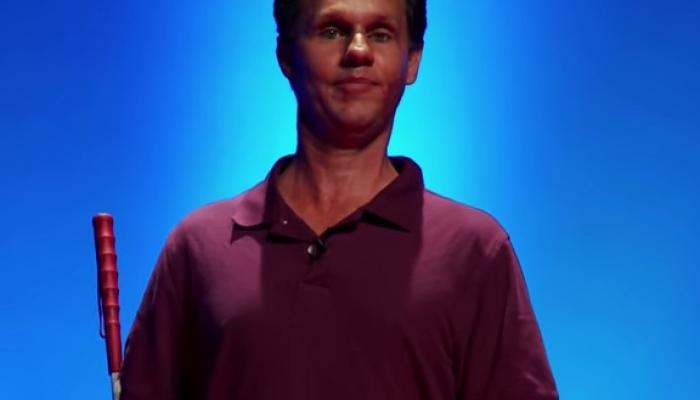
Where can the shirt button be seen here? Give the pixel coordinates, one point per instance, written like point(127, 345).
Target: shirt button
point(311, 250)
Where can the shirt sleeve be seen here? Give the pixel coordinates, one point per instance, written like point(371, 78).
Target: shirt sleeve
point(154, 358)
point(505, 358)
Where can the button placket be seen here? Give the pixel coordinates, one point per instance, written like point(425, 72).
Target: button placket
point(318, 272)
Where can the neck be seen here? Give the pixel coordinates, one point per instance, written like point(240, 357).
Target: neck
point(324, 183)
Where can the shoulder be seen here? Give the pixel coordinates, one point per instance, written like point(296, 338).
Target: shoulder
point(461, 224)
point(213, 222)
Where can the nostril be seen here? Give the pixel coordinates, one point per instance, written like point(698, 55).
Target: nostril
point(357, 58)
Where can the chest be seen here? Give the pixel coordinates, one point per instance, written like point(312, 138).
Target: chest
point(363, 294)
point(381, 312)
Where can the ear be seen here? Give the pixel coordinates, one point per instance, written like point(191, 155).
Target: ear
point(284, 57)
point(414, 57)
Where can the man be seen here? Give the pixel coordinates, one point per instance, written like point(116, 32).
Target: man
point(339, 277)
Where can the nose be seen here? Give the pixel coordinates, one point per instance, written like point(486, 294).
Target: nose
point(358, 53)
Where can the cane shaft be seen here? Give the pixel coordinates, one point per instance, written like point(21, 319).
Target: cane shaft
point(108, 284)
point(116, 386)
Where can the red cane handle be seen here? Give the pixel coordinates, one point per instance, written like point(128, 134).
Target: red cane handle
point(108, 288)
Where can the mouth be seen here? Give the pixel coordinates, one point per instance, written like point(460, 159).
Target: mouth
point(356, 84)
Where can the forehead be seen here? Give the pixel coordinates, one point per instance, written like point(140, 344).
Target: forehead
point(391, 10)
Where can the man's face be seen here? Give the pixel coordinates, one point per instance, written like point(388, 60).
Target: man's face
point(348, 64)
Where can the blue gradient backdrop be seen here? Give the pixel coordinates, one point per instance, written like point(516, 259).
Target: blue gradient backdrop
point(575, 123)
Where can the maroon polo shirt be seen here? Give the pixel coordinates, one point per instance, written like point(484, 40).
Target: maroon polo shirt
point(412, 296)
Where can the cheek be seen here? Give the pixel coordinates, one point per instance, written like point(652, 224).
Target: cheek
point(320, 64)
point(394, 67)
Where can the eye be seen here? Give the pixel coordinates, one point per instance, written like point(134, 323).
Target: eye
point(381, 36)
point(331, 32)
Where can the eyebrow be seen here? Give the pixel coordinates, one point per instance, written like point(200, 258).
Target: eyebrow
point(375, 20)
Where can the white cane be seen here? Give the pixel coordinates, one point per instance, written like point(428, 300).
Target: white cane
point(108, 296)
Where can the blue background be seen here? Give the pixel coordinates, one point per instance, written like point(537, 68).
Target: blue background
point(575, 123)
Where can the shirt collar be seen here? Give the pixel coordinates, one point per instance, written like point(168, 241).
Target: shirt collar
point(398, 205)
point(400, 202)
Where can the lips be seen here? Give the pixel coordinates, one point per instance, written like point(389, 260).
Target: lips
point(356, 84)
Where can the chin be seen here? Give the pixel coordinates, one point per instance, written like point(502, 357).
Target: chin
point(358, 116)
point(356, 122)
